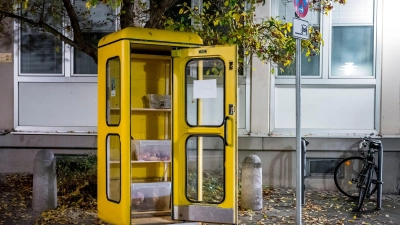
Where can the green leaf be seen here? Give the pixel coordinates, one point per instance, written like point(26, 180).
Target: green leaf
point(216, 22)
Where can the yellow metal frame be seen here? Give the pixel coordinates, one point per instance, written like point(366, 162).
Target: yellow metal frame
point(182, 131)
point(120, 211)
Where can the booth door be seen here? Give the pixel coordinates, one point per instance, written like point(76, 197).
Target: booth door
point(205, 134)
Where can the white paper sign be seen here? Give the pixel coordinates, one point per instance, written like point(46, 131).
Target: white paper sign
point(300, 29)
point(205, 88)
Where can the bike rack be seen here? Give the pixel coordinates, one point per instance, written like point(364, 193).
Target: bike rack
point(379, 178)
point(304, 144)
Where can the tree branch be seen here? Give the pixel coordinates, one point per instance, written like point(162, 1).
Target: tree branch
point(91, 51)
point(74, 22)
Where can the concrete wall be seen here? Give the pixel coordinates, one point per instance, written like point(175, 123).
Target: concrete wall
point(17, 151)
point(278, 157)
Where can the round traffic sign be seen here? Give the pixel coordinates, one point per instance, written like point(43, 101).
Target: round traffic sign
point(301, 7)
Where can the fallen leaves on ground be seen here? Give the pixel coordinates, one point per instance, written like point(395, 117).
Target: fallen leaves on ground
point(16, 205)
point(321, 207)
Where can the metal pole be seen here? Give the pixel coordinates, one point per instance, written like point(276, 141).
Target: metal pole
point(303, 172)
point(298, 134)
point(200, 139)
point(380, 164)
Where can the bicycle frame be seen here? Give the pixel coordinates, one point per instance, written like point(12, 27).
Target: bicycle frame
point(364, 179)
point(358, 177)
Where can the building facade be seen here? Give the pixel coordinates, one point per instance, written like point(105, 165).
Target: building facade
point(49, 98)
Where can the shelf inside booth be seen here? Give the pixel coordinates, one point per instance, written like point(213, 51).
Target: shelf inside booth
point(143, 109)
point(136, 161)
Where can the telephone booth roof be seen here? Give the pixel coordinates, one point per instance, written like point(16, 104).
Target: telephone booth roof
point(153, 39)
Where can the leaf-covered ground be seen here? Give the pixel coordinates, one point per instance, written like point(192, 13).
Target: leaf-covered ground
point(322, 207)
point(16, 205)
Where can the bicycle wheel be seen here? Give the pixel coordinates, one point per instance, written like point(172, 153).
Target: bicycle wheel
point(364, 186)
point(346, 173)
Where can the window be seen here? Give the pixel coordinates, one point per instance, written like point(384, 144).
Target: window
point(353, 39)
point(331, 101)
point(40, 53)
point(44, 54)
point(54, 80)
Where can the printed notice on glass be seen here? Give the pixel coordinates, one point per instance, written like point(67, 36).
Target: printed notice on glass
point(113, 87)
point(205, 88)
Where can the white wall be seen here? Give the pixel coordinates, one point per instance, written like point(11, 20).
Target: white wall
point(326, 108)
point(390, 102)
point(260, 86)
point(57, 104)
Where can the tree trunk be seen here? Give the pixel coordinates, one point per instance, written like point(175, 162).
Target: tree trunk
point(128, 14)
point(157, 10)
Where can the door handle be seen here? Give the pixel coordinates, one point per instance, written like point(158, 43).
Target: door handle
point(225, 130)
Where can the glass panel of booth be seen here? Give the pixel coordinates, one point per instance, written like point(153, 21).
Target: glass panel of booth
point(205, 169)
point(114, 168)
point(113, 73)
point(205, 92)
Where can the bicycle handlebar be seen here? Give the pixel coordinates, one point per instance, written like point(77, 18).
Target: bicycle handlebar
point(368, 144)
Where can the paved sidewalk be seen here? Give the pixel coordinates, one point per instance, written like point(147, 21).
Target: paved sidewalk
point(322, 207)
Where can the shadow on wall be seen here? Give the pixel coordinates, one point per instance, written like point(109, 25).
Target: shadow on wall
point(323, 178)
point(281, 169)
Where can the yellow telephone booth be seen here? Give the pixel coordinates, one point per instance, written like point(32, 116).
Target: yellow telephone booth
point(167, 141)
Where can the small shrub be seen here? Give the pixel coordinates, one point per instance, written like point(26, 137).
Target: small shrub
point(77, 181)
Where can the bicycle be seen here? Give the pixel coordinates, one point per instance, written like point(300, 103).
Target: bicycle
point(356, 176)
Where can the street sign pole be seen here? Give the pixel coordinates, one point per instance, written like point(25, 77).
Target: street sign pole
point(300, 31)
point(299, 166)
